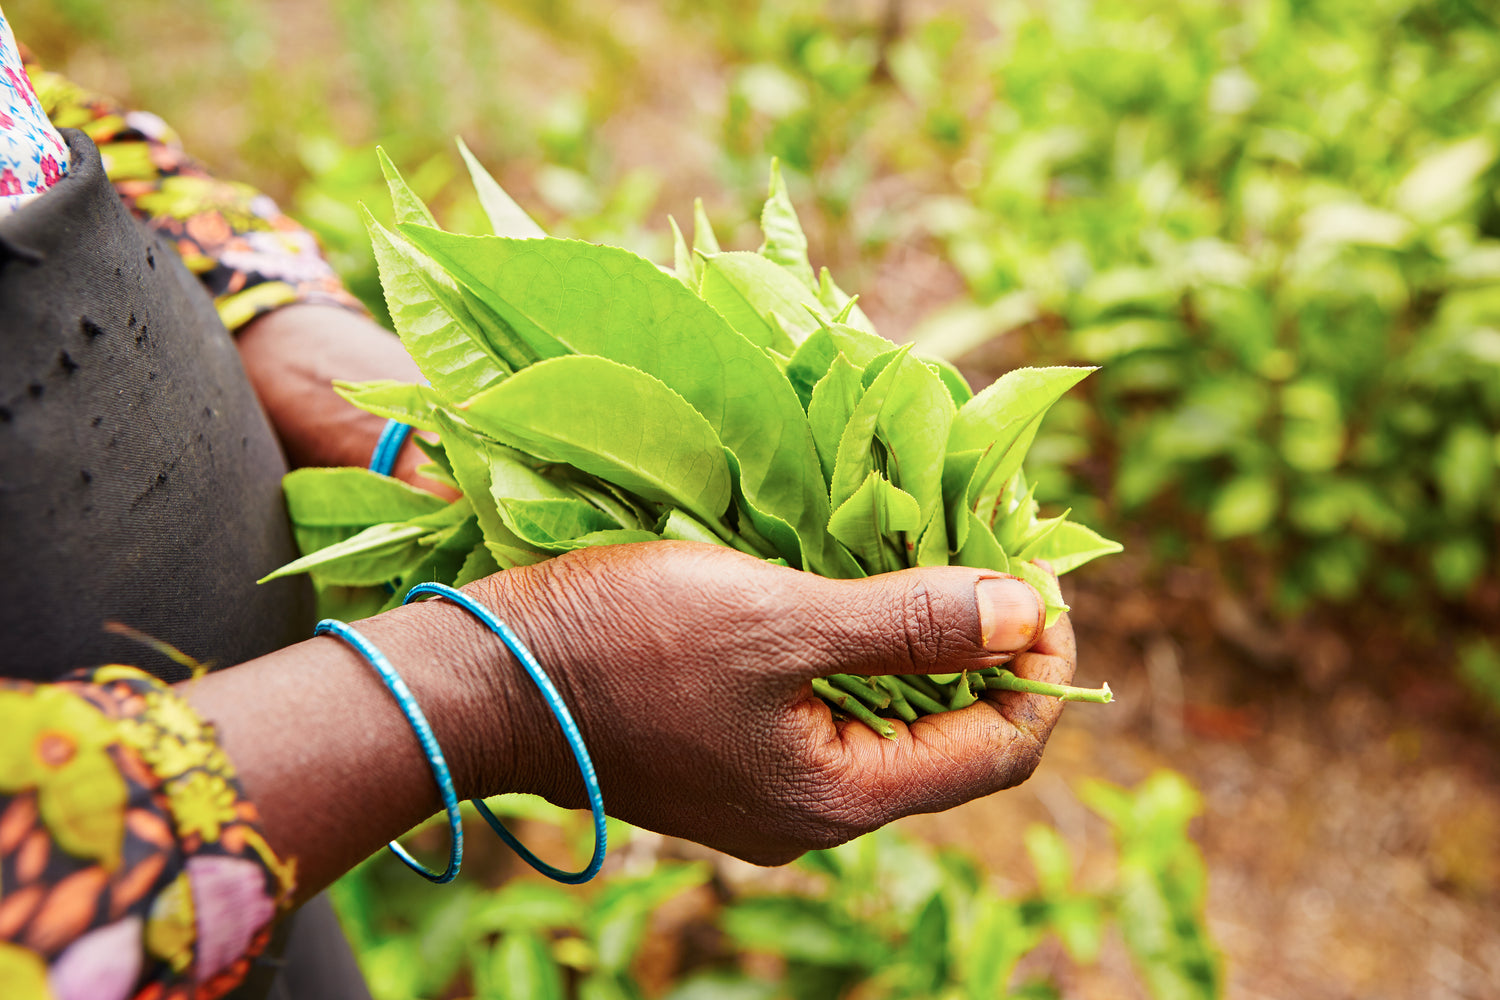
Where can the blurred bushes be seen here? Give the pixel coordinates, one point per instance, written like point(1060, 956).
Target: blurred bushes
point(1275, 225)
point(882, 918)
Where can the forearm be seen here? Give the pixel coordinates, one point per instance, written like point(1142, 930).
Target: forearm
point(292, 356)
point(326, 755)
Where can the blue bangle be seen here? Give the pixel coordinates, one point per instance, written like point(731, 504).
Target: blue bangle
point(564, 719)
point(392, 440)
point(409, 708)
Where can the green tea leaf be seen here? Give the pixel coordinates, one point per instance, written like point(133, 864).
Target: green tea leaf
point(342, 497)
point(854, 461)
point(609, 536)
point(436, 328)
point(408, 207)
point(812, 358)
point(471, 268)
point(1072, 545)
point(1004, 418)
point(1037, 535)
point(615, 422)
point(552, 523)
point(682, 527)
point(832, 404)
point(809, 363)
point(958, 386)
point(809, 547)
point(375, 555)
point(746, 289)
point(959, 469)
point(785, 242)
point(608, 302)
point(471, 467)
point(1000, 412)
point(1019, 513)
point(875, 513)
point(625, 513)
point(704, 240)
point(913, 424)
point(980, 549)
point(477, 565)
point(506, 217)
point(687, 266)
point(835, 302)
point(442, 563)
point(410, 404)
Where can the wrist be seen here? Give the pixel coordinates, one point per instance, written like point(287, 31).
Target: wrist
point(452, 672)
point(529, 752)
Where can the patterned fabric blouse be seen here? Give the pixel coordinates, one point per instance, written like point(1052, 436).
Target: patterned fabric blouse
point(131, 864)
point(32, 154)
point(250, 256)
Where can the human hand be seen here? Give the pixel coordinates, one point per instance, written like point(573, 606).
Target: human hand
point(294, 354)
point(687, 668)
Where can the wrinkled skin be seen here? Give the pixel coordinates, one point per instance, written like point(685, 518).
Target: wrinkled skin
point(687, 668)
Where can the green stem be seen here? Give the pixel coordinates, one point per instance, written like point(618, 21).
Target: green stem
point(899, 704)
point(926, 685)
point(1008, 681)
point(862, 689)
point(853, 707)
point(917, 698)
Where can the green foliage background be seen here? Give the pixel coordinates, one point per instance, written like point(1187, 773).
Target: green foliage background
point(1274, 223)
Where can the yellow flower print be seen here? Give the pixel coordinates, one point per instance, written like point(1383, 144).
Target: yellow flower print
point(169, 736)
point(173, 715)
point(201, 803)
point(170, 757)
point(172, 927)
point(217, 762)
point(59, 747)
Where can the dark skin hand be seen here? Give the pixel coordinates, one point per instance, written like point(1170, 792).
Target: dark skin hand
point(292, 356)
point(687, 669)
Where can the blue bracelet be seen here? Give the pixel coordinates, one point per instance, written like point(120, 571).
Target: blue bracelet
point(409, 708)
point(564, 719)
point(392, 440)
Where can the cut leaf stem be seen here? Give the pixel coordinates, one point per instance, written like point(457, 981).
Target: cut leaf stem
point(1008, 681)
point(853, 707)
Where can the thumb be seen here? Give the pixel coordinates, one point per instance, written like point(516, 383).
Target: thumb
point(937, 619)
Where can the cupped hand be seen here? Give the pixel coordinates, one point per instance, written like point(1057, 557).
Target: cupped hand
point(687, 667)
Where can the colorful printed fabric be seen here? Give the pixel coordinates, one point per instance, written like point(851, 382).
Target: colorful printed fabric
point(131, 864)
point(251, 257)
point(32, 154)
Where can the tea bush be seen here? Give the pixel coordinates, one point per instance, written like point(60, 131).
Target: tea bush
point(1275, 225)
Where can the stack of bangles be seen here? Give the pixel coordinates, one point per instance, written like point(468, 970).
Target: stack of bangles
point(391, 442)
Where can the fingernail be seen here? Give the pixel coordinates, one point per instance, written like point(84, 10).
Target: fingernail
point(1010, 614)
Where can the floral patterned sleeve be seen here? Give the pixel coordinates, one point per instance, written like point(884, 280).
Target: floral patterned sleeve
point(131, 864)
point(251, 257)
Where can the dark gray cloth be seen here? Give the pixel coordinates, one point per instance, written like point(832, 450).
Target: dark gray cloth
point(140, 482)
